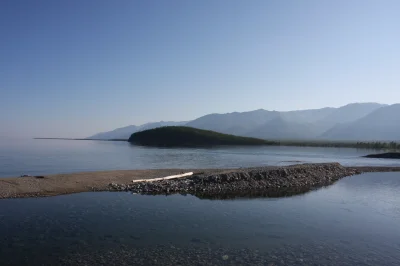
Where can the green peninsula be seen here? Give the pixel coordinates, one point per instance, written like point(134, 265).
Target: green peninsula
point(181, 136)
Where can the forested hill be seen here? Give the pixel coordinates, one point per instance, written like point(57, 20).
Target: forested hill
point(180, 136)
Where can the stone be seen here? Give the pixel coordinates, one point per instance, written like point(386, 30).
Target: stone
point(301, 177)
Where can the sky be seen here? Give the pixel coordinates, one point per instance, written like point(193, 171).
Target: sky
point(74, 68)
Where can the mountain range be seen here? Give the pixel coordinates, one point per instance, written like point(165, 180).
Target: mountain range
point(353, 122)
point(126, 132)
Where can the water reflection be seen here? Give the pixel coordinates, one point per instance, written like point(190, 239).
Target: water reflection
point(244, 194)
point(253, 194)
point(248, 194)
point(352, 222)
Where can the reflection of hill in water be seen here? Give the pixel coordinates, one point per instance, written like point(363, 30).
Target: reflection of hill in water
point(252, 194)
point(249, 194)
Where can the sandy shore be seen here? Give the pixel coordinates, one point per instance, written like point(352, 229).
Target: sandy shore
point(51, 185)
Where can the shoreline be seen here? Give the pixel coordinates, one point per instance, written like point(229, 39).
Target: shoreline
point(365, 145)
point(205, 182)
point(62, 184)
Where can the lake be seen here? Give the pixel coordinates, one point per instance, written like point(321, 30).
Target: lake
point(39, 157)
point(352, 222)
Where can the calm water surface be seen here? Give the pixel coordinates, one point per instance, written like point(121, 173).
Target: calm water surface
point(38, 157)
point(353, 222)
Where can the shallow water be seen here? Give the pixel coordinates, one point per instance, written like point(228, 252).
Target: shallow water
point(38, 157)
point(353, 222)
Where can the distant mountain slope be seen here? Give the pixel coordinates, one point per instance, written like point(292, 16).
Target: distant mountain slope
point(301, 124)
point(234, 123)
point(382, 124)
point(126, 132)
point(345, 114)
point(119, 133)
point(351, 112)
point(307, 116)
point(281, 129)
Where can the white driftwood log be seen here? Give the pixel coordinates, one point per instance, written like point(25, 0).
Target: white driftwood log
point(163, 178)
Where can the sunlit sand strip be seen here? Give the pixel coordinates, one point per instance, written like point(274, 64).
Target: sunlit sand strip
point(163, 178)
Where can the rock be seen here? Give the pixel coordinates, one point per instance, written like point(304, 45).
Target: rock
point(297, 177)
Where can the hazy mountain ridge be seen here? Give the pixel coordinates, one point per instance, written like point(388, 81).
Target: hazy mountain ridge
point(381, 124)
point(234, 123)
point(279, 129)
point(356, 121)
point(351, 112)
point(126, 132)
point(301, 124)
point(309, 116)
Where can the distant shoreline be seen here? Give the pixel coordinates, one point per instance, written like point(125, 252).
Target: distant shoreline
point(216, 181)
point(382, 145)
point(83, 139)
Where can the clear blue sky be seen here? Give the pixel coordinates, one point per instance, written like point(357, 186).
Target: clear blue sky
point(74, 68)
